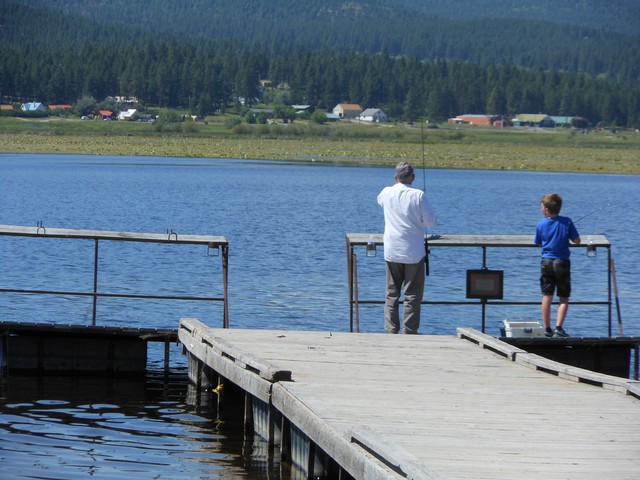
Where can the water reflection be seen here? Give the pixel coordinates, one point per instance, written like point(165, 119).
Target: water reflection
point(63, 427)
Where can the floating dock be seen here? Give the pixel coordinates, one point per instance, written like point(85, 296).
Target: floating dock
point(46, 348)
point(373, 406)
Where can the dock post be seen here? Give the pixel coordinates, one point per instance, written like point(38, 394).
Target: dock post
point(265, 422)
point(197, 377)
point(248, 412)
point(166, 355)
point(4, 353)
point(285, 439)
point(305, 454)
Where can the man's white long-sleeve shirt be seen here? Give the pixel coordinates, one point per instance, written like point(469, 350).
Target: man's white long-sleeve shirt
point(407, 213)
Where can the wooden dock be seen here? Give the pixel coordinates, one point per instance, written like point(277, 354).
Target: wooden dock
point(428, 406)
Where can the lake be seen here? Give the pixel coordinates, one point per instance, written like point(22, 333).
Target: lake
point(286, 224)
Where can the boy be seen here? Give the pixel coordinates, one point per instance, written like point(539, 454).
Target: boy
point(553, 235)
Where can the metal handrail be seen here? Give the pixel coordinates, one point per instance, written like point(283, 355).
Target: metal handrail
point(354, 240)
point(211, 242)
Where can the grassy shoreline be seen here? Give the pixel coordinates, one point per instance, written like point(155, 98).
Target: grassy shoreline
point(464, 148)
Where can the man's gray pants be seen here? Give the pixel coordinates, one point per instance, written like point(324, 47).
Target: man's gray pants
point(412, 276)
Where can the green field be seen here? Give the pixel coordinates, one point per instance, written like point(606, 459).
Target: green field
point(443, 147)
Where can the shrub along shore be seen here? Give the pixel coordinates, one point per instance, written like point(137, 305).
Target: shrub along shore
point(445, 147)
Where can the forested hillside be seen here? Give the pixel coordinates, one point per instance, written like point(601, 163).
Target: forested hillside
point(502, 32)
point(390, 54)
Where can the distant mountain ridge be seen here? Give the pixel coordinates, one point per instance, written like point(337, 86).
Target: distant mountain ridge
point(620, 16)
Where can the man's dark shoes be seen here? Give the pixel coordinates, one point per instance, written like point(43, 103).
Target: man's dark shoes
point(548, 333)
point(560, 333)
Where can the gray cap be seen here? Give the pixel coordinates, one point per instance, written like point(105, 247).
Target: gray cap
point(404, 170)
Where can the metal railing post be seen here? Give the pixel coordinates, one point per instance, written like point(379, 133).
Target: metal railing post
point(95, 283)
point(225, 286)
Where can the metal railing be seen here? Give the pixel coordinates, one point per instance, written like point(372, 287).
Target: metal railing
point(355, 240)
point(216, 244)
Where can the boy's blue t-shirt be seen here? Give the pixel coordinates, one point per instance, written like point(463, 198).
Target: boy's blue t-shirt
point(553, 234)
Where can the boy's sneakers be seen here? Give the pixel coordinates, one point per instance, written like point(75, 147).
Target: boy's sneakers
point(548, 333)
point(560, 333)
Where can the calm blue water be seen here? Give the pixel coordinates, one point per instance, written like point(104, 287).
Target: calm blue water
point(286, 226)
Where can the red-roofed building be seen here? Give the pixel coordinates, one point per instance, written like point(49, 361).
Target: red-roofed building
point(479, 120)
point(347, 110)
point(60, 107)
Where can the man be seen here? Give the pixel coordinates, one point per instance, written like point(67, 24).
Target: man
point(406, 214)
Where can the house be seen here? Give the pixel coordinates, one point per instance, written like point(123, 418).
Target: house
point(123, 99)
point(347, 110)
point(533, 120)
point(127, 114)
point(501, 121)
point(267, 112)
point(60, 107)
point(373, 115)
point(34, 107)
point(566, 121)
point(477, 120)
point(6, 108)
point(302, 109)
point(106, 114)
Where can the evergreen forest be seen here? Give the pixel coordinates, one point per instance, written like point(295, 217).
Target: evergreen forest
point(412, 58)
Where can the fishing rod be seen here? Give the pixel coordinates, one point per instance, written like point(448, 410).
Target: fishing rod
point(591, 213)
point(612, 270)
point(424, 189)
point(424, 175)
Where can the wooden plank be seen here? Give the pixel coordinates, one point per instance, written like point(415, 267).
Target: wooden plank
point(200, 333)
point(380, 446)
point(576, 374)
point(460, 411)
point(492, 343)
